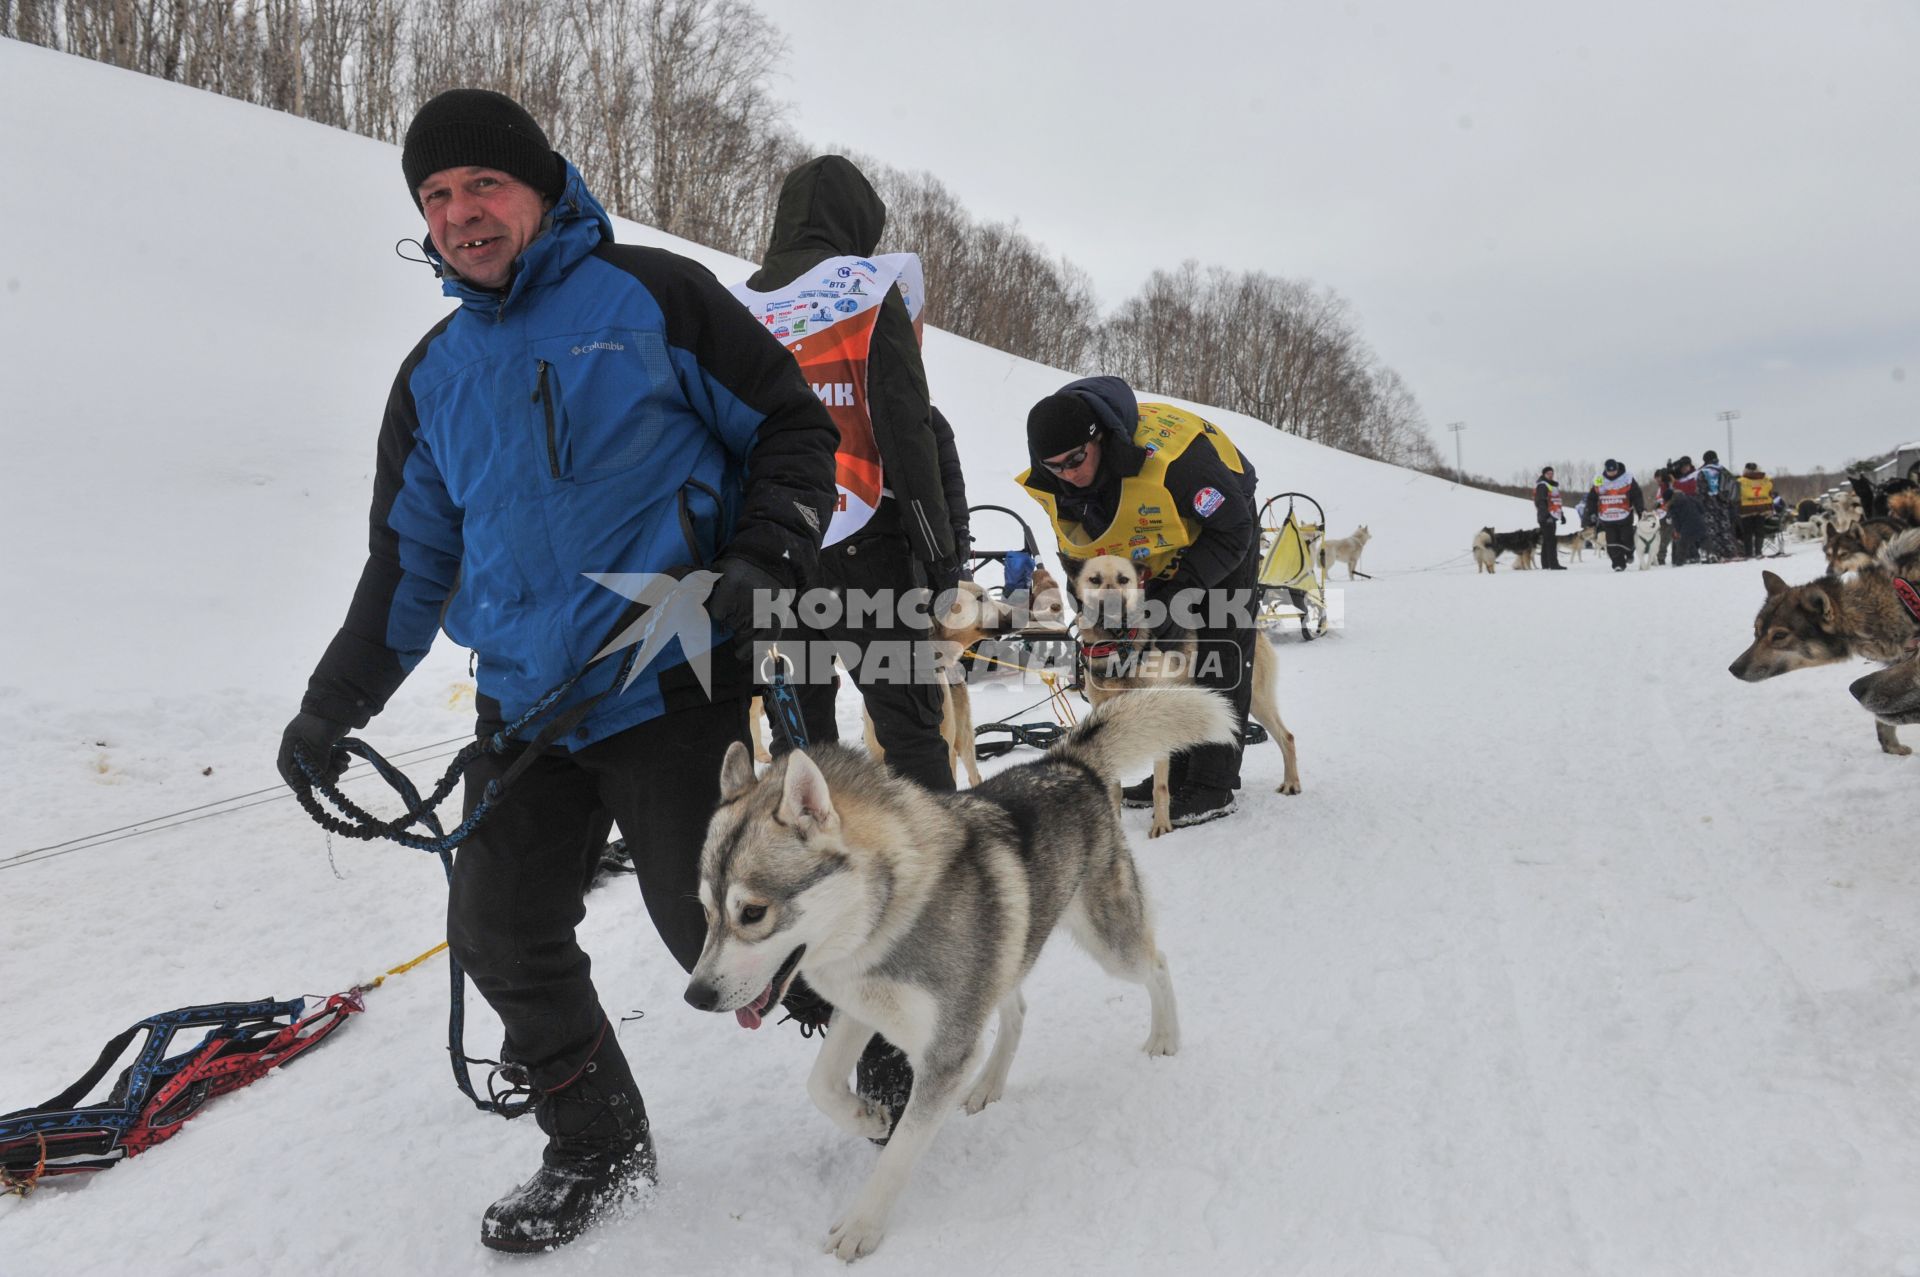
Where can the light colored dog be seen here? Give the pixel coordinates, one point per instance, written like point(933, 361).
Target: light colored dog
point(1346, 550)
point(1574, 545)
point(1846, 511)
point(1646, 539)
point(1107, 586)
point(918, 915)
point(968, 616)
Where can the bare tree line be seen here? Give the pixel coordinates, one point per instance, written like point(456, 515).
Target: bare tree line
point(664, 106)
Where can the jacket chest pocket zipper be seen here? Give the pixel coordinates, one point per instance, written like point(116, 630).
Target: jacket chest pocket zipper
point(543, 396)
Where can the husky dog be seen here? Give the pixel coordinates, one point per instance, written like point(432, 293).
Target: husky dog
point(1892, 695)
point(1858, 546)
point(1346, 550)
point(1484, 559)
point(918, 915)
point(1489, 545)
point(1812, 528)
point(1575, 543)
point(1834, 618)
point(1646, 538)
point(1109, 586)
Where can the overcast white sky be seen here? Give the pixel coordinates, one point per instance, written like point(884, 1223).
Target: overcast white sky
point(1583, 230)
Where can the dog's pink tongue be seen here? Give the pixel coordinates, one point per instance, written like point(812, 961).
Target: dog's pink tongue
point(749, 1015)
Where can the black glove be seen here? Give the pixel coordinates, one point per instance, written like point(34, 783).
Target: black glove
point(1563, 519)
point(1162, 591)
point(731, 603)
point(316, 737)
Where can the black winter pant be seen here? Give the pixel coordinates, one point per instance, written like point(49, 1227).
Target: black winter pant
point(1619, 541)
point(1225, 656)
point(905, 712)
point(1549, 544)
point(520, 880)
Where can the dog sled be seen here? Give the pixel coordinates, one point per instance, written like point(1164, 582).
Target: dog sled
point(1293, 571)
point(1044, 645)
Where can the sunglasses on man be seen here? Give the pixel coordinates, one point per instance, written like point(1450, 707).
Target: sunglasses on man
point(1072, 461)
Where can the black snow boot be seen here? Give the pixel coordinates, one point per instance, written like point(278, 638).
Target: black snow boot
point(599, 1158)
point(1197, 804)
point(884, 1076)
point(1138, 796)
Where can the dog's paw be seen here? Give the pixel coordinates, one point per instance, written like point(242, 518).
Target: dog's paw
point(762, 756)
point(866, 1119)
point(852, 1238)
point(1162, 1042)
point(1287, 787)
point(1898, 751)
point(984, 1092)
point(1160, 825)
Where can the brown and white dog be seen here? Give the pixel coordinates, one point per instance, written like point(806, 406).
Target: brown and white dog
point(1107, 585)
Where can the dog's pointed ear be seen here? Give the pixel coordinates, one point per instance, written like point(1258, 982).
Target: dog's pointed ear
point(1822, 604)
point(1773, 583)
point(805, 800)
point(736, 771)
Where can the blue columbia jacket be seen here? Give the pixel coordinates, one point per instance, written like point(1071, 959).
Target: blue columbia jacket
point(613, 409)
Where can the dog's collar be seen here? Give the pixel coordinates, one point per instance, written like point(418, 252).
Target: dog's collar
point(1107, 649)
point(1909, 597)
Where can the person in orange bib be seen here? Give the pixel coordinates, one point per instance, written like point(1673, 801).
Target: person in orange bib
point(1616, 501)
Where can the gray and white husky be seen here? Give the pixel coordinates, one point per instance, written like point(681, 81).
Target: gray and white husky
point(918, 915)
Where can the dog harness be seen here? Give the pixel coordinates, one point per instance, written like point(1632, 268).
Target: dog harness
point(1909, 597)
point(156, 1094)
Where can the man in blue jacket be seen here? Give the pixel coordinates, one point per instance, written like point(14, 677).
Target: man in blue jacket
point(589, 408)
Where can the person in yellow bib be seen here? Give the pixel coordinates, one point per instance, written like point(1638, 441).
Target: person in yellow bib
point(1167, 489)
point(1756, 503)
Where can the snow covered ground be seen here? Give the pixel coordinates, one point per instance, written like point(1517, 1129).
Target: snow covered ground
point(1576, 956)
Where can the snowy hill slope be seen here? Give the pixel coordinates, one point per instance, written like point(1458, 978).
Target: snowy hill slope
point(1426, 1030)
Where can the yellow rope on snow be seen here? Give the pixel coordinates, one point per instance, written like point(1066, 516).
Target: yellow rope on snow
point(404, 967)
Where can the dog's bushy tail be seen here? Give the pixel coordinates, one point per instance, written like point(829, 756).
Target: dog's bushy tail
point(1128, 732)
point(1902, 554)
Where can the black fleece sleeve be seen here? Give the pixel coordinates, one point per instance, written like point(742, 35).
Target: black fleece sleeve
point(901, 409)
point(751, 392)
point(361, 669)
point(1226, 533)
point(953, 483)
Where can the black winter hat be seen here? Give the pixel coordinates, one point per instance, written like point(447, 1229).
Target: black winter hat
point(484, 128)
point(1060, 423)
point(1710, 458)
point(1612, 465)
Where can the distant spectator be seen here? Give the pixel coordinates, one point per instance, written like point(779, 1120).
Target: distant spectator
point(1718, 495)
point(1663, 496)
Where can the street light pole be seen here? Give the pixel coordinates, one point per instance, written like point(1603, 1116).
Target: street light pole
point(1727, 418)
point(1459, 471)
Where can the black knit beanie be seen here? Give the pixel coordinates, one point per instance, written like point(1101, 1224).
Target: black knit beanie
point(482, 128)
point(1059, 423)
